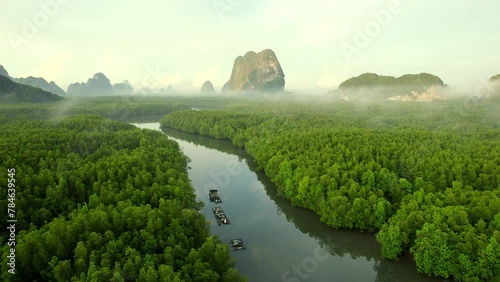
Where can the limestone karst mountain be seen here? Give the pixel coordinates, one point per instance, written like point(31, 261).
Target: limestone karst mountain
point(260, 72)
point(99, 84)
point(409, 87)
point(123, 88)
point(207, 88)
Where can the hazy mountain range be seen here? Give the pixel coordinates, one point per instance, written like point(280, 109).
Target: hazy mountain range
point(99, 84)
point(262, 72)
point(11, 91)
point(38, 82)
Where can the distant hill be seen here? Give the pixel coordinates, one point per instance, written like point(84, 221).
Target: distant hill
point(416, 82)
point(207, 88)
point(11, 91)
point(371, 85)
point(99, 84)
point(495, 78)
point(495, 87)
point(123, 88)
point(41, 83)
point(4, 72)
point(38, 82)
point(260, 72)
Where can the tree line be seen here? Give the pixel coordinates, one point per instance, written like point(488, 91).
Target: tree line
point(121, 108)
point(99, 200)
point(425, 177)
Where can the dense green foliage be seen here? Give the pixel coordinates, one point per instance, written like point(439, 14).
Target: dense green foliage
point(388, 85)
point(373, 80)
point(113, 107)
point(99, 200)
point(426, 176)
point(15, 92)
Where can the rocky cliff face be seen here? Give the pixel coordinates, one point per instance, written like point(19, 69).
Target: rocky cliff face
point(99, 84)
point(433, 93)
point(207, 88)
point(256, 72)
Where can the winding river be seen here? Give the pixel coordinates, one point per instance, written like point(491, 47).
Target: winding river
point(284, 243)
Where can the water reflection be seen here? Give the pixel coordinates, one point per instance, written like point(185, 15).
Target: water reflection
point(277, 252)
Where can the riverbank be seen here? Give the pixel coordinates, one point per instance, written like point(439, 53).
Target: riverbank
point(277, 235)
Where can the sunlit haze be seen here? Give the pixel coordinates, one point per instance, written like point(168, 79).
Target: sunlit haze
point(156, 43)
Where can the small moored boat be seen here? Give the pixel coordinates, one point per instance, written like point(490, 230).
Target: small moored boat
point(237, 244)
point(220, 216)
point(214, 196)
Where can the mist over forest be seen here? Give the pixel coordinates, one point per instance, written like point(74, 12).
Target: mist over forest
point(250, 141)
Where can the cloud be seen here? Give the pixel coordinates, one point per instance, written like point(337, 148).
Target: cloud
point(331, 77)
point(155, 79)
point(328, 79)
point(52, 68)
point(213, 74)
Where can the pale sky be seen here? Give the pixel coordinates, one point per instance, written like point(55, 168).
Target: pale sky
point(319, 43)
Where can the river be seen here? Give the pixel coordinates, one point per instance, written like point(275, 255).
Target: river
point(284, 243)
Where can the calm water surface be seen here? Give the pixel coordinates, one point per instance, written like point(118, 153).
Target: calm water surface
point(284, 243)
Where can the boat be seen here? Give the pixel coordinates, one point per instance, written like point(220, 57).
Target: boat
point(237, 244)
point(214, 197)
point(220, 216)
